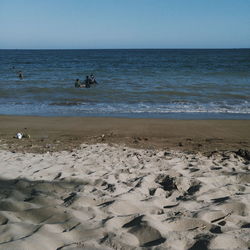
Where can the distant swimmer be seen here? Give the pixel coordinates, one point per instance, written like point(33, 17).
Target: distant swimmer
point(78, 84)
point(92, 79)
point(20, 74)
point(87, 82)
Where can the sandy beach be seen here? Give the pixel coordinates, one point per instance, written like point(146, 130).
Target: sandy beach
point(113, 183)
point(67, 133)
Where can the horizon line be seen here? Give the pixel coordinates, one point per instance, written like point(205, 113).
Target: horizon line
point(231, 48)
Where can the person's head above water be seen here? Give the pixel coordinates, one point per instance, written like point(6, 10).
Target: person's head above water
point(20, 74)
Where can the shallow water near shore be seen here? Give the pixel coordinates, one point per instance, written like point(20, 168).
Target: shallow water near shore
point(180, 84)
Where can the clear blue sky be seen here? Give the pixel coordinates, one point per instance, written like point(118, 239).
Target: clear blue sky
point(90, 24)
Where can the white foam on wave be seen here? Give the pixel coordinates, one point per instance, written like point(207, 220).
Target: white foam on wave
point(122, 108)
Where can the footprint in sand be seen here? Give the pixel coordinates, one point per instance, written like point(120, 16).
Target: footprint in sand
point(146, 235)
point(166, 182)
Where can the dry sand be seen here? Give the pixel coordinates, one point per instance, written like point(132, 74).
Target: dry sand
point(167, 193)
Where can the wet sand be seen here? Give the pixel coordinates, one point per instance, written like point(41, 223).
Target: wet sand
point(66, 133)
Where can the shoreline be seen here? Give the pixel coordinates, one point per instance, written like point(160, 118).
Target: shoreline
point(66, 133)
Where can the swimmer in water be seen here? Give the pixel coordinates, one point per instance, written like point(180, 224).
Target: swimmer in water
point(78, 83)
point(20, 74)
point(87, 82)
point(92, 79)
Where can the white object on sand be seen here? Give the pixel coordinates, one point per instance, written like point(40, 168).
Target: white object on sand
point(19, 135)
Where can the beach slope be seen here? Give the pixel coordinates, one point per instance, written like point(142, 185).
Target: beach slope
point(106, 183)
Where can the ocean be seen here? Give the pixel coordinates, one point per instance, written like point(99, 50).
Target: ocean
point(152, 83)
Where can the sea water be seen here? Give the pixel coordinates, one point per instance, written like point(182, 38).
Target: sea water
point(161, 83)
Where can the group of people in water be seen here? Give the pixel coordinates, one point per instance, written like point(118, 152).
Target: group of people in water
point(90, 80)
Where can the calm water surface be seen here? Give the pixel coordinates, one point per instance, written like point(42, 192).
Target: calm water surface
point(183, 84)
